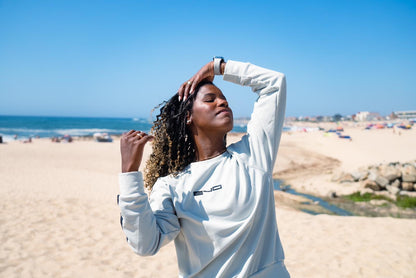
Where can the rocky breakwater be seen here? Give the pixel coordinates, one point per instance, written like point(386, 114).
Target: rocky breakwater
point(390, 179)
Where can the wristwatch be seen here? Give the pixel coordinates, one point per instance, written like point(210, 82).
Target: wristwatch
point(217, 64)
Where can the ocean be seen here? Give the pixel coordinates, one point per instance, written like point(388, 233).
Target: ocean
point(41, 126)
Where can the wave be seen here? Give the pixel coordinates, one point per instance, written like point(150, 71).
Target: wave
point(9, 133)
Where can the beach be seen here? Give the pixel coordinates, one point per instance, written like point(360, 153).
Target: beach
point(59, 216)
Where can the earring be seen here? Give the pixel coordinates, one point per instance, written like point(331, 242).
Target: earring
point(188, 122)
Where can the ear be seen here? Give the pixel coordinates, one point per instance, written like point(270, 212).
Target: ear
point(188, 118)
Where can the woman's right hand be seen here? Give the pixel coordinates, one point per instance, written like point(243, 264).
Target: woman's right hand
point(131, 146)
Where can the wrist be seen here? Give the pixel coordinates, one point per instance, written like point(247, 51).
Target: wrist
point(217, 65)
point(129, 168)
point(222, 67)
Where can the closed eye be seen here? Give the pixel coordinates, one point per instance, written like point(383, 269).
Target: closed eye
point(210, 97)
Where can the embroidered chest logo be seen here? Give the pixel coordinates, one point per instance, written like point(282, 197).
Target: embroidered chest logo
point(201, 192)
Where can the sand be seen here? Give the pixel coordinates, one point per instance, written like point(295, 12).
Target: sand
point(59, 216)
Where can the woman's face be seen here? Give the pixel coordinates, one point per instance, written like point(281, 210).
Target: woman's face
point(210, 111)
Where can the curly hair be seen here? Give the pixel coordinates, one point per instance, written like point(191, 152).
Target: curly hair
point(173, 144)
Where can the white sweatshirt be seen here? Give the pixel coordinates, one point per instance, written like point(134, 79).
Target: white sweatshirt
point(220, 211)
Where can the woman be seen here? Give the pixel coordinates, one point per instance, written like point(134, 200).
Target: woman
point(215, 202)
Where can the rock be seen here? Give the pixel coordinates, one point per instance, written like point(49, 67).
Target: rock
point(372, 175)
point(409, 173)
point(366, 190)
point(382, 181)
point(346, 177)
point(392, 189)
point(336, 177)
point(390, 172)
point(396, 183)
point(386, 194)
point(333, 194)
point(372, 185)
point(378, 202)
point(409, 178)
point(407, 193)
point(407, 186)
point(359, 175)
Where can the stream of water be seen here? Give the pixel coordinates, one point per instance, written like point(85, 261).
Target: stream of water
point(336, 210)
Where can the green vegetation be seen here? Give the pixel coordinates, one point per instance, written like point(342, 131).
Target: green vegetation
point(366, 197)
point(402, 201)
point(406, 201)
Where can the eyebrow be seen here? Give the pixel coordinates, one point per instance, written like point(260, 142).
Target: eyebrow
point(210, 95)
point(214, 95)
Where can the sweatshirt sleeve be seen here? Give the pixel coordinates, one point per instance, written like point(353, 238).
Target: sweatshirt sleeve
point(148, 224)
point(265, 127)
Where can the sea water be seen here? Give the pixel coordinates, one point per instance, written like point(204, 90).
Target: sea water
point(42, 126)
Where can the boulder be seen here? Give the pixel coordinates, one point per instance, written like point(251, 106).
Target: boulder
point(408, 193)
point(407, 186)
point(409, 178)
point(382, 181)
point(365, 190)
point(396, 183)
point(346, 177)
point(386, 194)
point(372, 175)
point(336, 177)
point(390, 172)
point(378, 202)
point(359, 175)
point(409, 173)
point(392, 189)
point(372, 185)
point(333, 195)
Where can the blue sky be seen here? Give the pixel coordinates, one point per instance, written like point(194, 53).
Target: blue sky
point(122, 58)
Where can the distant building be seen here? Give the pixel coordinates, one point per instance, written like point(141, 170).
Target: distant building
point(368, 116)
point(405, 114)
point(362, 116)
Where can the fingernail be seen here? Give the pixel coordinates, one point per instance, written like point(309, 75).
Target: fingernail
point(179, 98)
point(184, 98)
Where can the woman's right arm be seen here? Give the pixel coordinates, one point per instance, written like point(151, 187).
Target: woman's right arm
point(147, 224)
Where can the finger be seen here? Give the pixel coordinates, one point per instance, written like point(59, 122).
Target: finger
point(134, 135)
point(139, 134)
point(187, 90)
point(182, 90)
point(146, 138)
point(129, 132)
point(195, 82)
point(143, 140)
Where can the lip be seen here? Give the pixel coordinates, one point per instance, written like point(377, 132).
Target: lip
point(227, 111)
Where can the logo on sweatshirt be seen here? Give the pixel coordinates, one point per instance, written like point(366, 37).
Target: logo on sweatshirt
point(201, 192)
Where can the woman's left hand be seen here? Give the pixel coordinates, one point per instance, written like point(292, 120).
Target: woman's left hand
point(188, 88)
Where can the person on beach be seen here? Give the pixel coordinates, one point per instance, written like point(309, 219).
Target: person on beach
point(215, 202)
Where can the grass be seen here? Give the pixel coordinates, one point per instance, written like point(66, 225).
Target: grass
point(402, 201)
point(366, 197)
point(406, 202)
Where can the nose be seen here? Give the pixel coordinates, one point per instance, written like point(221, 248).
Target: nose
point(223, 102)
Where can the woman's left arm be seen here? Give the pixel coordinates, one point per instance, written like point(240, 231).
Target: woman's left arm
point(266, 123)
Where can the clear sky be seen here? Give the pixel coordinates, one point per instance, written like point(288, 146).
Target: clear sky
point(122, 58)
